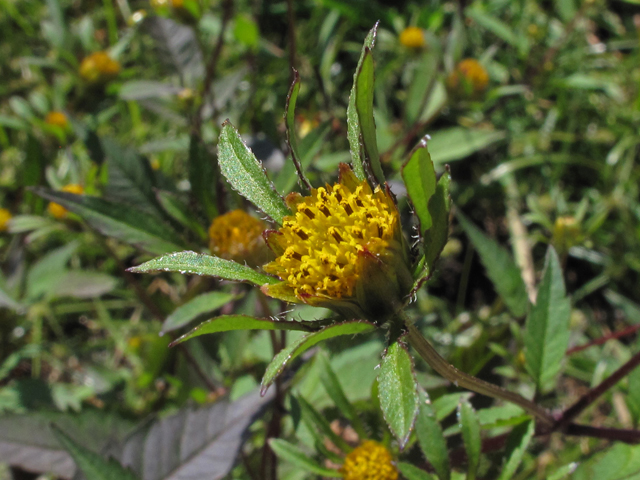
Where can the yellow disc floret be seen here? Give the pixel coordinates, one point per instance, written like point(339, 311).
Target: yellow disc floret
point(412, 37)
point(236, 235)
point(57, 119)
point(370, 461)
point(5, 216)
point(469, 76)
point(99, 67)
point(331, 227)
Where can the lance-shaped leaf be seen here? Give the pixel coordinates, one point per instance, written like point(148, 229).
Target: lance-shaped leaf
point(411, 472)
point(470, 436)
point(435, 238)
point(118, 220)
point(431, 440)
point(200, 264)
point(290, 116)
point(93, 465)
point(546, 335)
point(517, 444)
point(246, 175)
point(205, 303)
point(364, 106)
point(501, 268)
point(420, 179)
point(290, 352)
point(353, 123)
point(296, 456)
point(398, 391)
point(226, 323)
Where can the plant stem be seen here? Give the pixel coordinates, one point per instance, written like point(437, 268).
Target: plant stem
point(461, 379)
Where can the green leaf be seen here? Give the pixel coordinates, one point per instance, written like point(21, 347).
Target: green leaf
point(364, 107)
point(353, 123)
point(431, 439)
point(304, 343)
point(92, 465)
point(315, 419)
point(118, 220)
point(202, 176)
point(499, 28)
point(501, 268)
point(619, 462)
point(200, 264)
point(458, 142)
point(398, 391)
point(205, 303)
point(470, 436)
point(546, 334)
point(517, 444)
point(246, 175)
point(411, 472)
point(290, 117)
point(297, 457)
point(435, 238)
point(335, 391)
point(420, 179)
point(226, 323)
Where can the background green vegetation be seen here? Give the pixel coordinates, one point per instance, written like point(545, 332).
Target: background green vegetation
point(545, 154)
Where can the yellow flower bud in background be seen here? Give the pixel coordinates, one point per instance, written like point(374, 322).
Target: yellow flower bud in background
point(412, 37)
point(99, 68)
point(57, 210)
point(5, 216)
point(370, 461)
point(566, 234)
point(57, 119)
point(469, 78)
point(237, 236)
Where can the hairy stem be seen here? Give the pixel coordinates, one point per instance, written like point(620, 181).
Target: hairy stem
point(461, 379)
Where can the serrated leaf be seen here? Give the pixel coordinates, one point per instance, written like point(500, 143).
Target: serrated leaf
point(435, 238)
point(200, 264)
point(500, 267)
point(398, 391)
point(299, 346)
point(202, 176)
point(226, 323)
point(353, 123)
point(411, 472)
point(290, 116)
point(246, 175)
point(294, 455)
point(546, 334)
point(90, 463)
point(470, 436)
point(364, 106)
point(431, 440)
point(517, 444)
point(420, 179)
point(205, 303)
point(177, 47)
point(118, 220)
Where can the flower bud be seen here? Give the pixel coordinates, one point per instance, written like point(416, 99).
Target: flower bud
point(468, 79)
point(237, 236)
point(57, 210)
point(99, 68)
point(412, 37)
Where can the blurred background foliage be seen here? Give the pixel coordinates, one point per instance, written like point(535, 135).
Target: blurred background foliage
point(113, 108)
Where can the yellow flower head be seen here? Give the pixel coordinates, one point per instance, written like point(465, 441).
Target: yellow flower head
point(5, 216)
point(469, 77)
point(58, 119)
point(412, 37)
point(336, 236)
point(236, 235)
point(370, 461)
point(57, 210)
point(99, 67)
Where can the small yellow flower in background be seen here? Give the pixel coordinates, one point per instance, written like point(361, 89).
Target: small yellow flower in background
point(57, 210)
point(58, 119)
point(469, 77)
point(370, 461)
point(99, 67)
point(412, 37)
point(566, 234)
point(339, 235)
point(5, 216)
point(237, 236)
